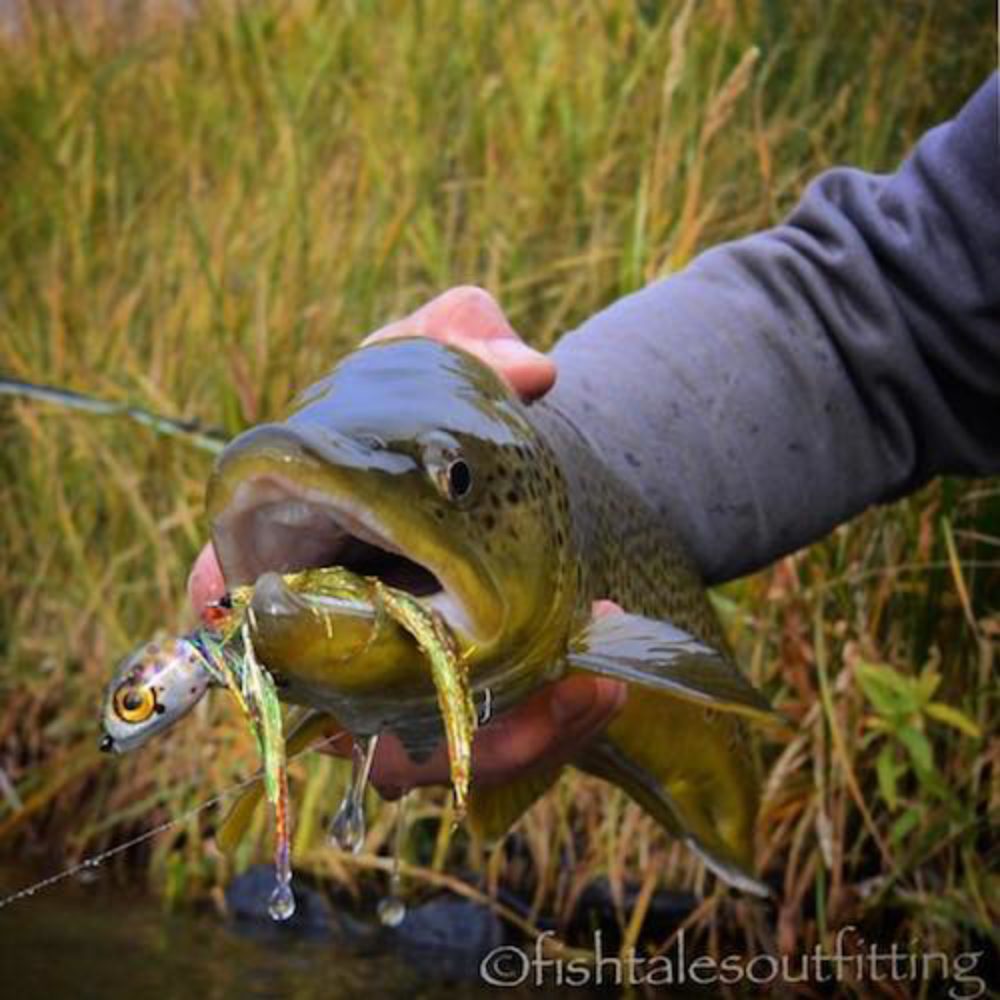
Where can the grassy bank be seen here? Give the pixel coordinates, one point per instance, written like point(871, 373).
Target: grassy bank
point(199, 214)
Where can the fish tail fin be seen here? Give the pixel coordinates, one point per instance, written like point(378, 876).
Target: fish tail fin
point(688, 767)
point(493, 810)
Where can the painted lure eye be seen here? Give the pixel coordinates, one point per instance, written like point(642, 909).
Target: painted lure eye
point(134, 704)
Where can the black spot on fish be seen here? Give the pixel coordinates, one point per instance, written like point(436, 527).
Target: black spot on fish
point(513, 496)
point(632, 460)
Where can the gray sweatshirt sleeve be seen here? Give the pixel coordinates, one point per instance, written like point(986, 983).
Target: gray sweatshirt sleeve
point(782, 383)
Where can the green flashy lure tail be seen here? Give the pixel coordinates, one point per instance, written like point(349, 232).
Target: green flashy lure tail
point(450, 679)
point(261, 696)
point(234, 665)
point(187, 430)
point(253, 687)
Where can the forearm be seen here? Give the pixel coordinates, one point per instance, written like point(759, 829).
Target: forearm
point(783, 383)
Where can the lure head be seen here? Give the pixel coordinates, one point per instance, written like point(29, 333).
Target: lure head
point(151, 690)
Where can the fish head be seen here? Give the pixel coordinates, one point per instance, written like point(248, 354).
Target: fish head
point(415, 463)
point(151, 689)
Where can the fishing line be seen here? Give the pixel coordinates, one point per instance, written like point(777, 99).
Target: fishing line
point(206, 439)
point(98, 859)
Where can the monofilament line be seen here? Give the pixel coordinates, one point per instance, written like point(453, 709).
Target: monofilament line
point(98, 859)
point(189, 430)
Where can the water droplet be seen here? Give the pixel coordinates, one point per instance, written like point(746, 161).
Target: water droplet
point(347, 831)
point(86, 871)
point(486, 709)
point(391, 911)
point(281, 905)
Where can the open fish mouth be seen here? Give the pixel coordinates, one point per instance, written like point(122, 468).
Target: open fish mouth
point(273, 524)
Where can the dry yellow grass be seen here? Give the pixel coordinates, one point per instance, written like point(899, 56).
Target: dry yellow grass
point(200, 214)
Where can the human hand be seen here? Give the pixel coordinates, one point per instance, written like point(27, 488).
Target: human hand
point(470, 318)
point(545, 730)
point(551, 725)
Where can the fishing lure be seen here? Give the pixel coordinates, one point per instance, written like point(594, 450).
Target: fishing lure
point(161, 682)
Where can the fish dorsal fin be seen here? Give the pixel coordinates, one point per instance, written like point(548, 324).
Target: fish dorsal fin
point(309, 727)
point(493, 810)
point(659, 655)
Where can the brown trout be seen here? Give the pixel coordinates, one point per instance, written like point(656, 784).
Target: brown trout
point(415, 464)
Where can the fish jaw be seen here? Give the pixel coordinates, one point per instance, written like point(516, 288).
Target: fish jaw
point(276, 506)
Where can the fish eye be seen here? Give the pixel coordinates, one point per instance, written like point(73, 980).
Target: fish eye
point(134, 704)
point(447, 467)
point(459, 479)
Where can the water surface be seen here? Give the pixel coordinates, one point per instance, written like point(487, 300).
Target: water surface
point(94, 941)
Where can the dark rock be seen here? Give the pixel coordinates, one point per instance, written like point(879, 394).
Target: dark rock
point(448, 936)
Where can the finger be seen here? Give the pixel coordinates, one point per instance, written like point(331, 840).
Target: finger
point(550, 728)
point(528, 372)
point(601, 608)
point(205, 584)
point(393, 770)
point(466, 311)
point(470, 318)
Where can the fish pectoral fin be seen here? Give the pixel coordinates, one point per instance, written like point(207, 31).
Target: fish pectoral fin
point(493, 810)
point(310, 727)
point(659, 655)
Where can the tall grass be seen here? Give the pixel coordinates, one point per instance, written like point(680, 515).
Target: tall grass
point(200, 213)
